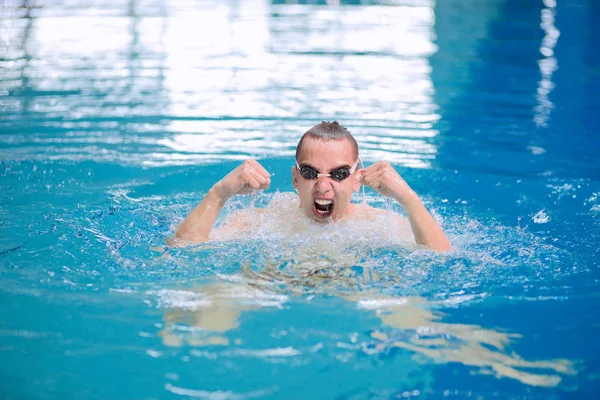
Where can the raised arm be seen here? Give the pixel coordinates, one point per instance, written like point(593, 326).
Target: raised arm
point(247, 177)
point(384, 179)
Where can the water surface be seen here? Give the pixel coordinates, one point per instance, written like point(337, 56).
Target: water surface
point(115, 120)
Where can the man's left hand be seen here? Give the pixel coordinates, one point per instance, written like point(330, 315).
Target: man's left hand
point(384, 179)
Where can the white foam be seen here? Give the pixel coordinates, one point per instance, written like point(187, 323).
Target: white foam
point(213, 395)
point(541, 217)
point(282, 219)
point(275, 352)
point(375, 304)
point(168, 298)
point(197, 300)
point(536, 150)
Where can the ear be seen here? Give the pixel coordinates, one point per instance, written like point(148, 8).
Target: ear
point(295, 177)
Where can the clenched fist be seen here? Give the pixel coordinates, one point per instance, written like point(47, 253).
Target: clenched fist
point(246, 178)
point(384, 179)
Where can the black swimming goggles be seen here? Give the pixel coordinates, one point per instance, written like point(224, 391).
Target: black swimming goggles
point(338, 174)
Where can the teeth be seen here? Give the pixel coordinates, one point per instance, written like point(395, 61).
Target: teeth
point(323, 202)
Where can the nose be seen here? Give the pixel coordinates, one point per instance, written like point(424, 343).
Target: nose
point(323, 184)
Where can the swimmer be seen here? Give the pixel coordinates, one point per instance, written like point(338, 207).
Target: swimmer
point(325, 176)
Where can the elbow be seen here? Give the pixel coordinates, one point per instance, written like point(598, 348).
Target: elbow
point(439, 246)
point(442, 246)
point(177, 241)
point(442, 249)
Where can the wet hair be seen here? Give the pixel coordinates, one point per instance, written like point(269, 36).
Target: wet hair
point(326, 131)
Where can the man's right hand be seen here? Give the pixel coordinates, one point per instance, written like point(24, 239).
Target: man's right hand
point(246, 178)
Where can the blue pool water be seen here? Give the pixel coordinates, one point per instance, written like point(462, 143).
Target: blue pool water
point(116, 118)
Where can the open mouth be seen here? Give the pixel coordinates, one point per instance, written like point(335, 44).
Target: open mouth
point(323, 208)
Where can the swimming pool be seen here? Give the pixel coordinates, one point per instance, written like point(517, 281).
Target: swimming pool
point(115, 119)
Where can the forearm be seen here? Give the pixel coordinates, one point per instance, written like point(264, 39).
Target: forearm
point(425, 228)
point(197, 225)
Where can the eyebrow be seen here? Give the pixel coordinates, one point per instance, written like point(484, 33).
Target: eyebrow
point(333, 169)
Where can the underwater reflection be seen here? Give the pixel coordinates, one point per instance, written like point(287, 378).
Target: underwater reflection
point(407, 322)
point(342, 262)
point(470, 345)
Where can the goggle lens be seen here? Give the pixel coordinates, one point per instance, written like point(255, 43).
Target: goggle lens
point(338, 174)
point(309, 172)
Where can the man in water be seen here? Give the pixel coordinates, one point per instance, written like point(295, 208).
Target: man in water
point(325, 176)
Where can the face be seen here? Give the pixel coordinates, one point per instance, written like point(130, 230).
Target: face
point(323, 199)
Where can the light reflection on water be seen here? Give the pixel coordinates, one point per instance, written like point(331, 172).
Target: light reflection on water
point(188, 85)
point(163, 84)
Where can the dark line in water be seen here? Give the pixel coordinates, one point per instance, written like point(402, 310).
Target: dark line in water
point(161, 119)
point(10, 250)
point(380, 54)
